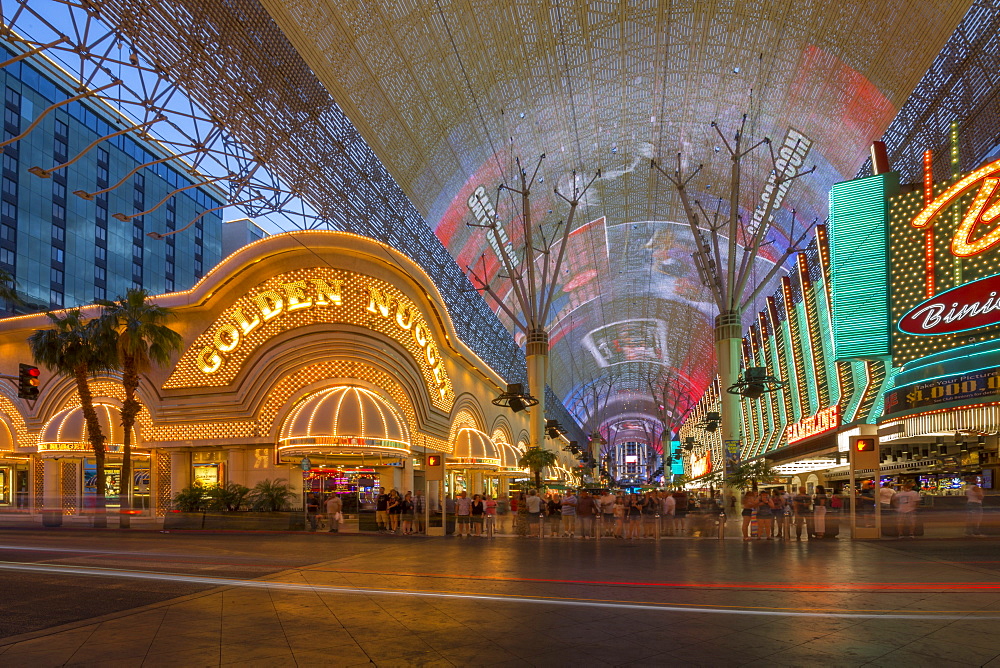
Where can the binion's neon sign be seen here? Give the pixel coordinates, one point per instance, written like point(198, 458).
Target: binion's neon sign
point(984, 210)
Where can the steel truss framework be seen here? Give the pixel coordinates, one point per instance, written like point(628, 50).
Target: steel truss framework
point(207, 96)
point(962, 85)
point(436, 87)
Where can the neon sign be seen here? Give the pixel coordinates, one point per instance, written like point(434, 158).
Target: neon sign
point(960, 309)
point(984, 210)
point(308, 297)
point(825, 420)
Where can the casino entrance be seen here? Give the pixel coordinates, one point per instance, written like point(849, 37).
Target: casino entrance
point(349, 441)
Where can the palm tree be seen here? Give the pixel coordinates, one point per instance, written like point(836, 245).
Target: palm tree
point(537, 459)
point(78, 348)
point(8, 290)
point(141, 339)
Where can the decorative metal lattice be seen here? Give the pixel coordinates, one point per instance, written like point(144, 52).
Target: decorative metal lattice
point(69, 488)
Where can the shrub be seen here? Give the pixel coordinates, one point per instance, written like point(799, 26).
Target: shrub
point(228, 497)
point(191, 499)
point(270, 495)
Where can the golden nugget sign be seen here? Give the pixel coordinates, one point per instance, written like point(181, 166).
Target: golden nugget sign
point(309, 297)
point(826, 420)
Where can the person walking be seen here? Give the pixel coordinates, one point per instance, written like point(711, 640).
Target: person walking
point(668, 506)
point(586, 507)
point(820, 503)
point(618, 510)
point(973, 508)
point(568, 513)
point(885, 494)
point(490, 506)
point(607, 503)
point(382, 511)
point(750, 502)
point(800, 513)
point(334, 514)
point(536, 506)
point(777, 513)
point(406, 513)
point(906, 502)
point(312, 511)
point(477, 510)
point(680, 512)
point(651, 509)
point(553, 511)
point(395, 510)
point(463, 513)
point(765, 516)
point(418, 512)
point(633, 516)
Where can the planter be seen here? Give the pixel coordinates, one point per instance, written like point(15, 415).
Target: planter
point(290, 520)
point(179, 520)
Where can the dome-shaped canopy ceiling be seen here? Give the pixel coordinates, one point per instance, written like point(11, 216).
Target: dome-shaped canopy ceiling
point(474, 450)
point(67, 430)
point(345, 420)
point(509, 456)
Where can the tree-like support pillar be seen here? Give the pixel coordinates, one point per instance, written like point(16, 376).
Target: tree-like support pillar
point(728, 340)
point(537, 358)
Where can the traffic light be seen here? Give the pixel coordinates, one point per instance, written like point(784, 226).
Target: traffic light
point(27, 381)
point(865, 444)
point(434, 460)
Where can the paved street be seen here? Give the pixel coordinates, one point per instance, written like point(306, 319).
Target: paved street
point(146, 599)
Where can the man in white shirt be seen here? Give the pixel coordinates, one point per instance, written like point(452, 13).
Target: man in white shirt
point(668, 506)
point(906, 503)
point(885, 495)
point(534, 503)
point(974, 508)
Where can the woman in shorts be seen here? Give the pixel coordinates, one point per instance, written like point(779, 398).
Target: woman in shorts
point(406, 507)
point(750, 501)
point(476, 511)
point(764, 516)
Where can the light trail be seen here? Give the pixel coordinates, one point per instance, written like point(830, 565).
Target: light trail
point(831, 587)
point(549, 600)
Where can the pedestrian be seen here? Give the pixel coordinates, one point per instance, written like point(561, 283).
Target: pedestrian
point(651, 510)
point(536, 506)
point(395, 509)
point(312, 511)
point(607, 503)
point(680, 512)
point(973, 508)
point(618, 510)
point(568, 513)
point(906, 502)
point(765, 516)
point(419, 509)
point(750, 501)
point(668, 506)
point(490, 506)
point(553, 512)
point(463, 513)
point(778, 513)
point(334, 514)
point(820, 504)
point(885, 494)
point(633, 516)
point(586, 507)
point(800, 513)
point(382, 511)
point(406, 513)
point(477, 510)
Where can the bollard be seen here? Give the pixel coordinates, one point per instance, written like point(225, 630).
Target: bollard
point(658, 527)
point(722, 525)
point(541, 526)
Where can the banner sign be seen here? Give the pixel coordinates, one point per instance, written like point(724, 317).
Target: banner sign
point(966, 307)
point(960, 387)
point(825, 420)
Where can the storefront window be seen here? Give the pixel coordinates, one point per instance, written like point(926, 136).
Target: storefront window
point(113, 477)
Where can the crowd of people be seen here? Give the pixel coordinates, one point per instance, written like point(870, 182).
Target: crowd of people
point(766, 514)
